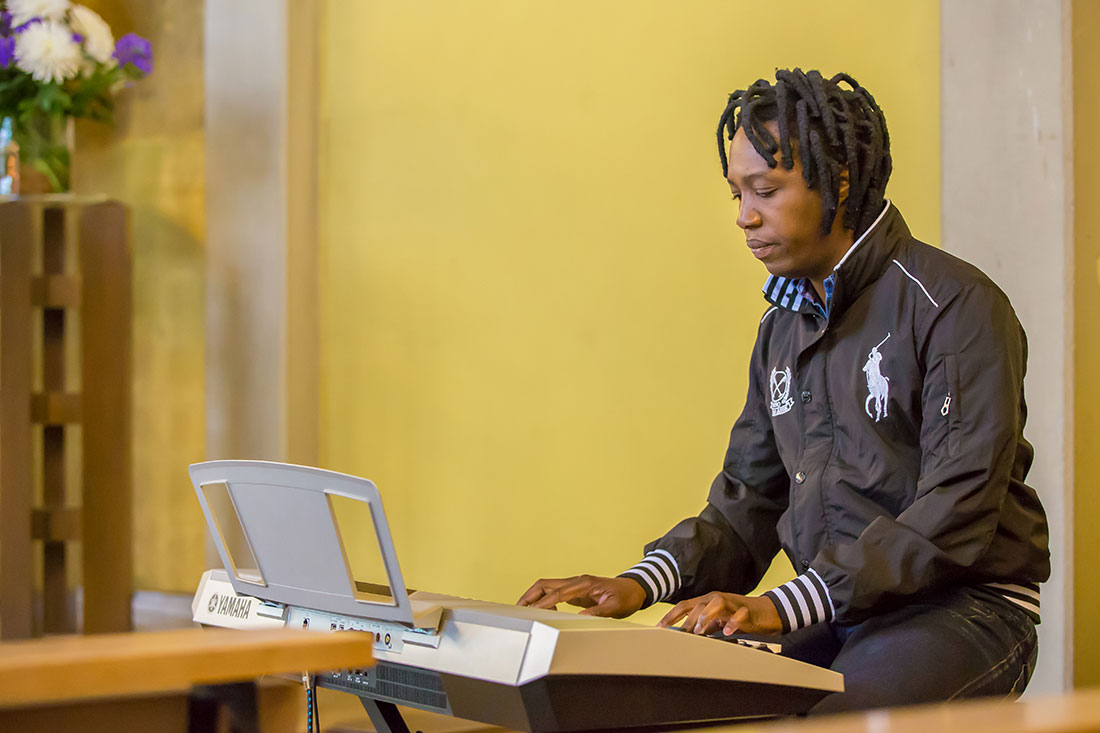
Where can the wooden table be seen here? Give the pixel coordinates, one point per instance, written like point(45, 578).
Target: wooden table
point(1074, 712)
point(140, 681)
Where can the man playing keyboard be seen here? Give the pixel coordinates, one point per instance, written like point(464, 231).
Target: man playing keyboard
point(881, 444)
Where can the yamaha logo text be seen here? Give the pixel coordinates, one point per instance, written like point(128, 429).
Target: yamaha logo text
point(231, 606)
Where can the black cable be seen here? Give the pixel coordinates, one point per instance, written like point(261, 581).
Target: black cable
point(316, 707)
point(311, 705)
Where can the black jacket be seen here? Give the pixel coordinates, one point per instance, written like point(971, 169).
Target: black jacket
point(881, 446)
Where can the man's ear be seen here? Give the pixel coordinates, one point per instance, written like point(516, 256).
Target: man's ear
point(842, 190)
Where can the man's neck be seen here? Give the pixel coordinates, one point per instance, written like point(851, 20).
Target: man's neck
point(819, 287)
point(839, 243)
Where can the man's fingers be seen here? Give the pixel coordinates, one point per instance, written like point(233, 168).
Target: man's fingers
point(692, 619)
point(710, 616)
point(538, 592)
point(574, 591)
point(609, 606)
point(548, 600)
point(737, 622)
point(675, 614)
point(615, 597)
point(540, 589)
point(533, 593)
point(586, 599)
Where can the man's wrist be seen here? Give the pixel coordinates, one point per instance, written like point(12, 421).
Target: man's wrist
point(778, 611)
point(647, 595)
point(637, 593)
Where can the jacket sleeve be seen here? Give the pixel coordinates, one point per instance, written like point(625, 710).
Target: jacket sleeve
point(972, 421)
point(730, 545)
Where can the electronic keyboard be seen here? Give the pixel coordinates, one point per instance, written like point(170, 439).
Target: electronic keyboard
point(277, 529)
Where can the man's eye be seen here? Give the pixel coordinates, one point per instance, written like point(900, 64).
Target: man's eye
point(766, 193)
point(736, 197)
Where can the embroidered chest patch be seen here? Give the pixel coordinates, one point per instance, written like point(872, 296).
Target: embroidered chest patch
point(878, 384)
point(781, 391)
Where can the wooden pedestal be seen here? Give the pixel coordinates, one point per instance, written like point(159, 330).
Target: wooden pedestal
point(64, 300)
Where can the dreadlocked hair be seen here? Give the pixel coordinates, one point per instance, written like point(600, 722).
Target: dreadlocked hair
point(835, 129)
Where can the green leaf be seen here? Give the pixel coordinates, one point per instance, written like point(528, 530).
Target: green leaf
point(55, 180)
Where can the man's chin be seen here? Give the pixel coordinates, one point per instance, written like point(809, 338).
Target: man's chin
point(777, 269)
point(782, 267)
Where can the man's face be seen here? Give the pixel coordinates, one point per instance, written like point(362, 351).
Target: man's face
point(780, 215)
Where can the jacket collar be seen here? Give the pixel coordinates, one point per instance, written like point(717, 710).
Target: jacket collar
point(869, 257)
point(861, 265)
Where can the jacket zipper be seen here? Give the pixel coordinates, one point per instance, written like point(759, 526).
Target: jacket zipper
point(950, 410)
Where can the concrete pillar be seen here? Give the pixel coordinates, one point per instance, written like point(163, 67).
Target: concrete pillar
point(261, 204)
point(261, 213)
point(1006, 106)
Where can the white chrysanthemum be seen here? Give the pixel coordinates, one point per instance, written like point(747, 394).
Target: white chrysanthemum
point(98, 41)
point(47, 52)
point(24, 10)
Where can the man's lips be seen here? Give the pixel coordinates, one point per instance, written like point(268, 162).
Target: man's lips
point(761, 248)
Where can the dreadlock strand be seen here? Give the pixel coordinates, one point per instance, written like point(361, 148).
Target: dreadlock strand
point(782, 117)
point(728, 123)
point(817, 85)
point(806, 92)
point(804, 142)
point(842, 77)
point(827, 172)
point(856, 173)
point(757, 122)
point(724, 123)
point(761, 144)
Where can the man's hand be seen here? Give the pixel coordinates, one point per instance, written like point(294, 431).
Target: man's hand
point(726, 611)
point(615, 597)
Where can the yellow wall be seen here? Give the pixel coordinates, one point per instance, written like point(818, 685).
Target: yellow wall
point(1086, 232)
point(153, 160)
point(537, 309)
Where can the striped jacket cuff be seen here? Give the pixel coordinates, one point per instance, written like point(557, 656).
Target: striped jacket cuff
point(803, 601)
point(658, 574)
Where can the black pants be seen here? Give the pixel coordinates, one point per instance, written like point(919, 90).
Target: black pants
point(966, 642)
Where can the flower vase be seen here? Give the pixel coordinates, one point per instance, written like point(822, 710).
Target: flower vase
point(46, 145)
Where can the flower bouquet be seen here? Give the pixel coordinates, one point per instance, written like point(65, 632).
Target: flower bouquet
point(58, 62)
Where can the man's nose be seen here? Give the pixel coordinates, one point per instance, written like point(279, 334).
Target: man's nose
point(747, 216)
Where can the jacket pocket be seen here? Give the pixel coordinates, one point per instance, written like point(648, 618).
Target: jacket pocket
point(952, 403)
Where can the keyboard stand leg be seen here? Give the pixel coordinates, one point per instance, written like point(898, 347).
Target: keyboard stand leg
point(384, 716)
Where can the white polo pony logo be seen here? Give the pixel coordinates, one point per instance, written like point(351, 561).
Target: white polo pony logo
point(878, 385)
point(781, 391)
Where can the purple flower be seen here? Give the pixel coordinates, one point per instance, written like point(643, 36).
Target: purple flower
point(5, 24)
point(133, 49)
point(7, 52)
point(25, 26)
